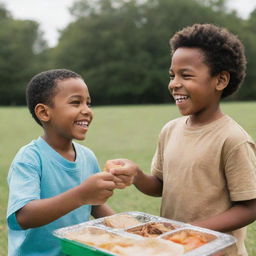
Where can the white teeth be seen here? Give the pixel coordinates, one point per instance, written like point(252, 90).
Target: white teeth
point(82, 123)
point(180, 98)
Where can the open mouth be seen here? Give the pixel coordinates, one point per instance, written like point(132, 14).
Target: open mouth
point(83, 124)
point(180, 98)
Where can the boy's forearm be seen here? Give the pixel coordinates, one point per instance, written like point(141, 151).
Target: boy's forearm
point(148, 184)
point(103, 210)
point(240, 215)
point(43, 211)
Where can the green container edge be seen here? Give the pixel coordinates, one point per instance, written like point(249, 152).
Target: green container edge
point(73, 248)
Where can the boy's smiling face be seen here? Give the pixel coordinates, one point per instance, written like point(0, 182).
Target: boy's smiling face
point(71, 113)
point(191, 84)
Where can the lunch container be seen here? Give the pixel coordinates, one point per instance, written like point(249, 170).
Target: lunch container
point(215, 241)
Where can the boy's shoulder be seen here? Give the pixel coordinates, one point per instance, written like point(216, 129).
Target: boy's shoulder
point(29, 153)
point(170, 126)
point(174, 123)
point(236, 134)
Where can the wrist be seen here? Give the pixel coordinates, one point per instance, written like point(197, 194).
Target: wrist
point(78, 196)
point(137, 177)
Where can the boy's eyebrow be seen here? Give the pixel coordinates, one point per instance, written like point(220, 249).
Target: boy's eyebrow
point(181, 70)
point(75, 96)
point(79, 96)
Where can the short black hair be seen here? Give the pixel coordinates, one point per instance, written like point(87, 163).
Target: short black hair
point(42, 88)
point(223, 51)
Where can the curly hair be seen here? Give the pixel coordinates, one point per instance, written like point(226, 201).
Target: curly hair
point(42, 88)
point(223, 51)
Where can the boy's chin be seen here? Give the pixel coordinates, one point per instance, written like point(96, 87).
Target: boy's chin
point(184, 113)
point(80, 137)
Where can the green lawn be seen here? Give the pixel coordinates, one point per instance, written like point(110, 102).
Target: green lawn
point(120, 131)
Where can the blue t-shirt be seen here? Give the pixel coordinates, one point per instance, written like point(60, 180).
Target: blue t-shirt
point(39, 172)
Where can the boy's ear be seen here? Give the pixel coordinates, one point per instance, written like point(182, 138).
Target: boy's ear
point(222, 80)
point(42, 112)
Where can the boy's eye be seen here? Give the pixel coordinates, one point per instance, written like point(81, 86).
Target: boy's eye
point(171, 76)
point(75, 102)
point(89, 104)
point(186, 75)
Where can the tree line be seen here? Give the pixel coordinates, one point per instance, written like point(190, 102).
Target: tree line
point(121, 48)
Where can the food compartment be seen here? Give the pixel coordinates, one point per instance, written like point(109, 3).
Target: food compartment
point(99, 238)
point(189, 238)
point(97, 241)
point(125, 220)
point(153, 228)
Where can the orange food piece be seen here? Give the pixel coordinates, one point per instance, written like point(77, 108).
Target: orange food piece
point(190, 241)
point(193, 242)
point(178, 238)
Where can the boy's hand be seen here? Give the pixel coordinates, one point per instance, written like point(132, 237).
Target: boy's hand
point(97, 188)
point(123, 169)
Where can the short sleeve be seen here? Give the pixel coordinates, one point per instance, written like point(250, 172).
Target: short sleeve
point(158, 158)
point(156, 165)
point(24, 186)
point(240, 171)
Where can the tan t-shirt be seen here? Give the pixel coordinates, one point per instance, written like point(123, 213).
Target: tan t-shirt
point(204, 169)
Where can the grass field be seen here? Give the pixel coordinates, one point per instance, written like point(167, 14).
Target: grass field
point(120, 131)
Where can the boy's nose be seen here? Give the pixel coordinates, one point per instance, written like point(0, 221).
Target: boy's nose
point(174, 84)
point(86, 110)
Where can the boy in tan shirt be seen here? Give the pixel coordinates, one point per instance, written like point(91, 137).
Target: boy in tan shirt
point(205, 163)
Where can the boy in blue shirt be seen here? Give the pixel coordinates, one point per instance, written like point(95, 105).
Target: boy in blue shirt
point(53, 181)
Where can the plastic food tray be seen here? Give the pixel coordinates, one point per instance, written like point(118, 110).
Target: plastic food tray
point(216, 241)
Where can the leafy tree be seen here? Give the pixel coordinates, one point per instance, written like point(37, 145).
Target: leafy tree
point(120, 47)
point(17, 40)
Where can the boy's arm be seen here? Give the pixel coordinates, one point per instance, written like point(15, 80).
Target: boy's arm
point(238, 216)
point(95, 190)
point(148, 184)
point(102, 210)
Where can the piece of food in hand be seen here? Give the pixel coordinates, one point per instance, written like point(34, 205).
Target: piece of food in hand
point(121, 221)
point(110, 165)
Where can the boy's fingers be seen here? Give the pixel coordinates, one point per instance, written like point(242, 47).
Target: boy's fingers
point(125, 179)
point(109, 185)
point(108, 180)
point(121, 172)
point(117, 179)
point(120, 185)
point(106, 176)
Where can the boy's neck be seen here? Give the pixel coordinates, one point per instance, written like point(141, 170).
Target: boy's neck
point(197, 121)
point(65, 148)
